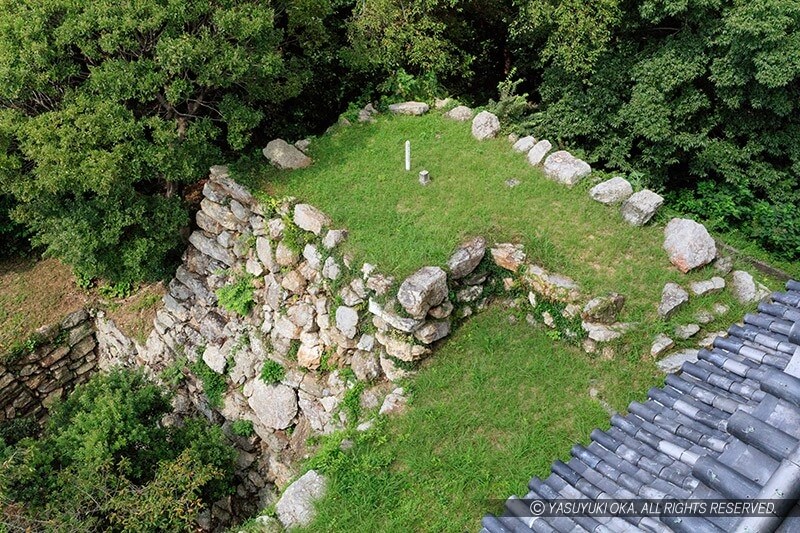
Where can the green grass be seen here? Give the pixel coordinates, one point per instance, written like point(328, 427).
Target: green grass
point(358, 179)
point(496, 405)
point(498, 402)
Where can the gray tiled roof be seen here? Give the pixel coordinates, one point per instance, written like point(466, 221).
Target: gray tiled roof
point(726, 426)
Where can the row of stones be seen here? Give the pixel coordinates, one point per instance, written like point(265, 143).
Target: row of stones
point(64, 357)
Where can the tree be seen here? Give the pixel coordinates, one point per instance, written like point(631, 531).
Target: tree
point(701, 96)
point(109, 108)
point(105, 462)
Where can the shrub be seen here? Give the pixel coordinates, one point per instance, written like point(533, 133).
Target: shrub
point(238, 296)
point(242, 428)
point(214, 385)
point(272, 372)
point(106, 462)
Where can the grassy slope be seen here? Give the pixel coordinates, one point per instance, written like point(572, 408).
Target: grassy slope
point(495, 406)
point(358, 179)
point(499, 401)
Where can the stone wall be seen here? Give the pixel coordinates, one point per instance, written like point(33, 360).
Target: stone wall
point(267, 284)
point(47, 366)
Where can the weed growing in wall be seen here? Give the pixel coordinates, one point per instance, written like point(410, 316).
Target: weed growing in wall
point(272, 372)
point(237, 297)
point(242, 428)
point(214, 385)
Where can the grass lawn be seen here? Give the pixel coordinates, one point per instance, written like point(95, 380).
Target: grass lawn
point(394, 222)
point(499, 401)
point(496, 405)
point(33, 294)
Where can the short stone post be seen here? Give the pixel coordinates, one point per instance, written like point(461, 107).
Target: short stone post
point(424, 177)
point(408, 156)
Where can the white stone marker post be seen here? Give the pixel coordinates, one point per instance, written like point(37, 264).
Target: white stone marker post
point(408, 156)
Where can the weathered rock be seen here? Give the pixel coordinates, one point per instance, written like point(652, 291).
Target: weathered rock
point(211, 248)
point(703, 317)
point(347, 321)
point(603, 309)
point(674, 362)
point(395, 402)
point(309, 356)
point(612, 191)
point(508, 256)
point(296, 506)
point(334, 238)
point(275, 406)
point(379, 283)
point(524, 145)
point(673, 297)
point(286, 256)
point(724, 265)
point(512, 182)
point(294, 282)
point(303, 145)
point(684, 332)
point(409, 108)
point(745, 289)
point(214, 357)
point(708, 341)
point(720, 309)
point(388, 315)
point(442, 311)
point(312, 255)
point(310, 218)
point(688, 244)
point(539, 150)
point(425, 288)
point(661, 344)
point(391, 370)
point(709, 286)
point(400, 348)
point(596, 332)
point(565, 168)
point(469, 294)
point(331, 269)
point(431, 332)
point(485, 125)
point(367, 114)
point(460, 113)
point(220, 214)
point(467, 257)
point(285, 156)
point(365, 365)
point(640, 207)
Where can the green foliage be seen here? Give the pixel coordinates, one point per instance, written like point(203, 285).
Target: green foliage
point(701, 97)
point(511, 108)
point(14, 430)
point(214, 385)
point(351, 402)
point(173, 374)
point(242, 428)
point(237, 297)
point(105, 462)
point(20, 349)
point(121, 289)
point(272, 372)
point(109, 109)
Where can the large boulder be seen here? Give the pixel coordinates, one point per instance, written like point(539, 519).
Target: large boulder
point(296, 506)
point(612, 191)
point(460, 113)
point(565, 168)
point(539, 150)
point(688, 244)
point(409, 108)
point(285, 156)
point(603, 309)
point(425, 288)
point(640, 208)
point(467, 257)
point(485, 125)
point(745, 289)
point(275, 406)
point(509, 256)
point(310, 218)
point(524, 144)
point(673, 297)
